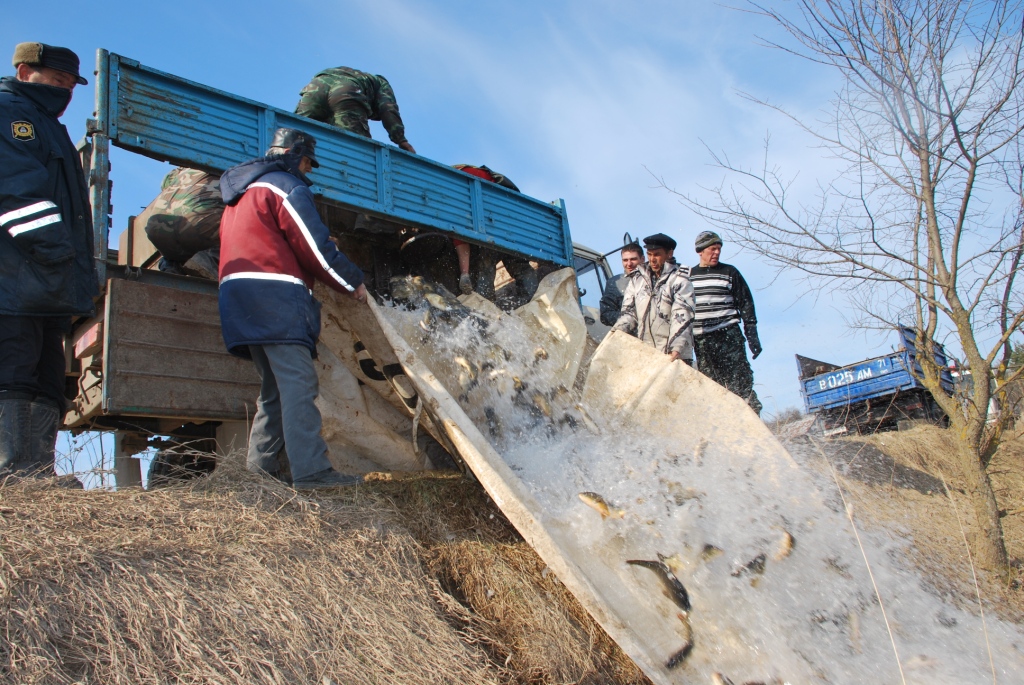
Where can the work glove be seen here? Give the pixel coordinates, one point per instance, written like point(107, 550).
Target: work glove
point(755, 344)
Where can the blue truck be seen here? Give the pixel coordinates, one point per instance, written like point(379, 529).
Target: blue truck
point(874, 394)
point(152, 362)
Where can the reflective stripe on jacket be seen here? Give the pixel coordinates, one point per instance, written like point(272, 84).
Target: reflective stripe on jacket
point(274, 247)
point(46, 239)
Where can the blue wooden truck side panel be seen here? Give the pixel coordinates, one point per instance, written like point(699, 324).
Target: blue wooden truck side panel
point(869, 379)
point(172, 119)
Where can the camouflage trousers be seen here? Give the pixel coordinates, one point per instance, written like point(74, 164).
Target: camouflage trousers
point(353, 120)
point(722, 357)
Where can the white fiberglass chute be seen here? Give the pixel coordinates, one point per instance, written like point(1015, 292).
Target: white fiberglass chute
point(625, 456)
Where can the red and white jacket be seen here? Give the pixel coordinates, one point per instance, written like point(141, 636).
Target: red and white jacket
point(273, 248)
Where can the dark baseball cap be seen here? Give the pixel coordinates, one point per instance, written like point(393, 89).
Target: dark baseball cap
point(298, 142)
point(43, 55)
point(659, 240)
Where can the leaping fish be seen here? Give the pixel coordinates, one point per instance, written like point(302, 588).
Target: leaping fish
point(676, 590)
point(719, 679)
point(680, 656)
point(601, 505)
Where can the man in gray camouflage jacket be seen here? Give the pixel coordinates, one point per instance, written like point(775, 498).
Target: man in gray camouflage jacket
point(657, 306)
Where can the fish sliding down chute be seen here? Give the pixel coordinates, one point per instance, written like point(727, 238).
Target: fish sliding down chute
point(667, 507)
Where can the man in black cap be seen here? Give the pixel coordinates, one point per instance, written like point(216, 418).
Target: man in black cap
point(47, 274)
point(723, 300)
point(273, 248)
point(657, 306)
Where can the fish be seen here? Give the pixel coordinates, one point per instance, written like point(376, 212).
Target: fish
point(469, 372)
point(710, 552)
point(587, 421)
point(679, 656)
point(719, 679)
point(542, 404)
point(493, 423)
point(676, 590)
point(601, 505)
point(853, 625)
point(755, 566)
point(698, 451)
point(687, 647)
point(427, 322)
point(786, 545)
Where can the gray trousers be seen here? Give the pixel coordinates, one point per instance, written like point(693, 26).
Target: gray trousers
point(286, 412)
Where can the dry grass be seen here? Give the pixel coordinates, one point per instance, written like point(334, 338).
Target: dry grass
point(239, 580)
point(931, 519)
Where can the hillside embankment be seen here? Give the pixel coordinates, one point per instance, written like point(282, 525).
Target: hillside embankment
point(235, 579)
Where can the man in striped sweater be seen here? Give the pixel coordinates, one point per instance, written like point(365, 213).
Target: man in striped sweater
point(723, 300)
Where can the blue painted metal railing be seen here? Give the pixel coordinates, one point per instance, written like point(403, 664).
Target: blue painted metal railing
point(186, 123)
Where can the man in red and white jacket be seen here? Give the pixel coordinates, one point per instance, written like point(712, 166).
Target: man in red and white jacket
point(274, 246)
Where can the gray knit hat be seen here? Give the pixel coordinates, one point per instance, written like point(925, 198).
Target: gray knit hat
point(706, 240)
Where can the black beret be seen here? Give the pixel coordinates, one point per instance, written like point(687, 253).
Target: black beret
point(659, 240)
point(42, 55)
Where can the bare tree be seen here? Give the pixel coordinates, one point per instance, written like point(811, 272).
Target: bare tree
point(922, 226)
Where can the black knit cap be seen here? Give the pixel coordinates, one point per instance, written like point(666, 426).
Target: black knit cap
point(43, 55)
point(659, 240)
point(706, 240)
point(296, 141)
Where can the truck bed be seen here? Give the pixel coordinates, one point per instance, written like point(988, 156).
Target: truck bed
point(172, 119)
point(865, 380)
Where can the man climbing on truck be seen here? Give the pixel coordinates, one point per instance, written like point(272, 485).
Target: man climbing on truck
point(47, 273)
point(657, 306)
point(484, 261)
point(349, 99)
point(273, 248)
point(723, 301)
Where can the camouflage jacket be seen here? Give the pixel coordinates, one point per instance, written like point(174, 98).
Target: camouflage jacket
point(349, 98)
point(660, 315)
point(185, 217)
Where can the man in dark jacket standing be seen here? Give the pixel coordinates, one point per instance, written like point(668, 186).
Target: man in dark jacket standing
point(273, 247)
point(723, 300)
point(611, 300)
point(47, 273)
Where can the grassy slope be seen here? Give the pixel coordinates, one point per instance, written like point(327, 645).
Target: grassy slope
point(236, 580)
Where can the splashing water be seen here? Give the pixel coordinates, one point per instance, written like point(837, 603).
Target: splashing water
point(778, 584)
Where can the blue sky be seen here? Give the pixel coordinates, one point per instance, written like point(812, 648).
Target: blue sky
point(574, 100)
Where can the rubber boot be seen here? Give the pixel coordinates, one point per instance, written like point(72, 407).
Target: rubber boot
point(15, 435)
point(45, 420)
